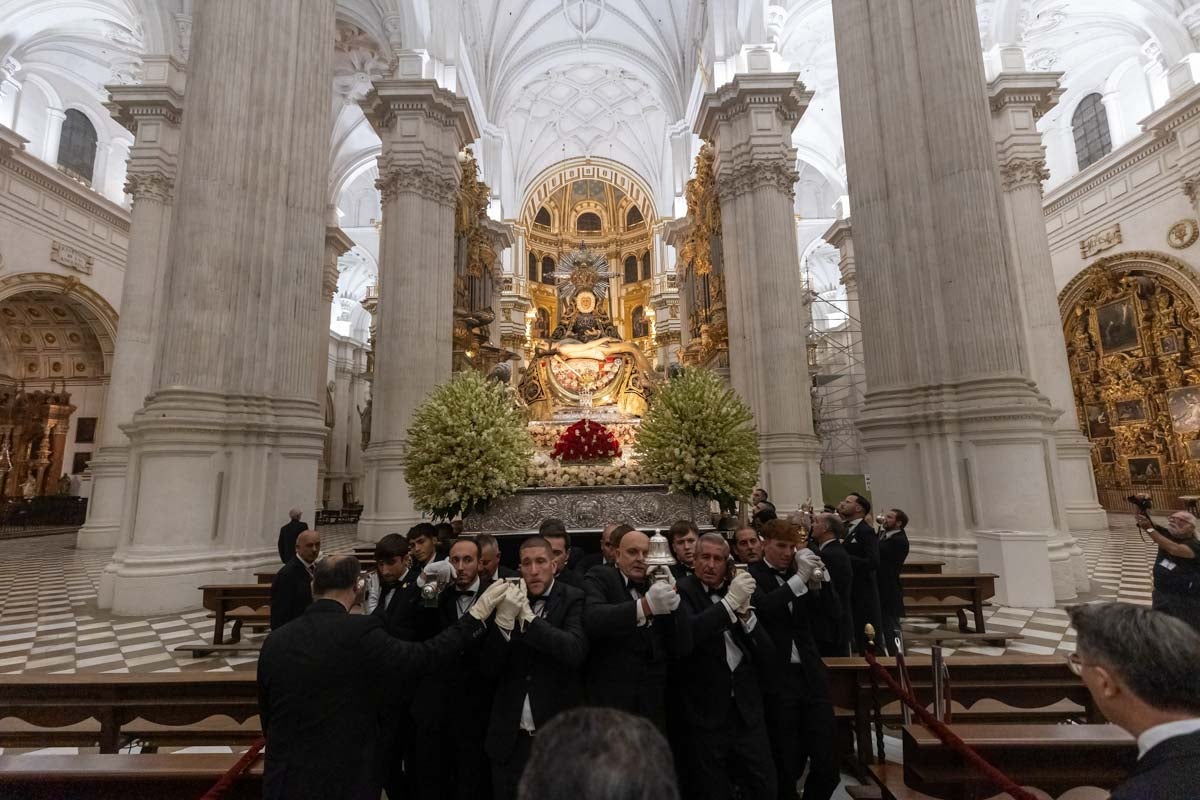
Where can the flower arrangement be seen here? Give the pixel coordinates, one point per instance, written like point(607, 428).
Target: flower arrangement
point(468, 444)
point(698, 437)
point(586, 441)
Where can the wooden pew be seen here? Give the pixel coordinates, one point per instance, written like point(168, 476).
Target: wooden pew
point(1032, 689)
point(121, 777)
point(939, 595)
point(125, 706)
point(223, 598)
point(920, 567)
point(1053, 758)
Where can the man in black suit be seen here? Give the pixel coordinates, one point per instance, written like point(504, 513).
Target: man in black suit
point(716, 681)
point(422, 546)
point(747, 545)
point(606, 554)
point(291, 588)
point(1140, 667)
point(893, 552)
point(554, 531)
point(683, 537)
point(833, 616)
point(862, 545)
point(534, 653)
point(490, 568)
point(288, 534)
point(632, 630)
point(323, 679)
point(799, 710)
point(449, 708)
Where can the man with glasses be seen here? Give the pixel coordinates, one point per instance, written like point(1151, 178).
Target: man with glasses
point(1140, 667)
point(1176, 567)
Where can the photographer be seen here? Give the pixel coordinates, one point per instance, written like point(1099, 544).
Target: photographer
point(1176, 567)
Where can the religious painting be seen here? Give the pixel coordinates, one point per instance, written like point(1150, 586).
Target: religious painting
point(1097, 422)
point(1118, 326)
point(1145, 470)
point(641, 327)
point(1106, 454)
point(1083, 364)
point(85, 430)
point(1193, 449)
point(1169, 344)
point(1184, 405)
point(1130, 412)
point(79, 462)
point(541, 323)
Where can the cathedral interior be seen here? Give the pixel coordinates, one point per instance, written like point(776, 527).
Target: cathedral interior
point(946, 252)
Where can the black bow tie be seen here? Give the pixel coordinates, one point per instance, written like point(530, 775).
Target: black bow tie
point(642, 587)
point(718, 592)
point(387, 586)
point(465, 592)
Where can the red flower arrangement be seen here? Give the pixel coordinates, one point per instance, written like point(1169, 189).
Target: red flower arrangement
point(586, 441)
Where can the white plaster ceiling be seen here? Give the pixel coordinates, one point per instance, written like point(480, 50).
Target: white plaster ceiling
point(46, 337)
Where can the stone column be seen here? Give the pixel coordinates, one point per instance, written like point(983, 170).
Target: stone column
point(230, 437)
point(153, 112)
point(423, 128)
point(55, 117)
point(840, 235)
point(337, 244)
point(10, 91)
point(954, 427)
point(1018, 99)
point(343, 404)
point(750, 123)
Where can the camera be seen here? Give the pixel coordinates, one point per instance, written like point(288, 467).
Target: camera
point(1141, 501)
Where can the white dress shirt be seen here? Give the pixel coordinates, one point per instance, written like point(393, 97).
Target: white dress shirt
point(464, 601)
point(799, 589)
point(637, 597)
point(1151, 737)
point(733, 653)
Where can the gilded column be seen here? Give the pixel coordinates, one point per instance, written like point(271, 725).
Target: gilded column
point(230, 437)
point(954, 427)
point(1018, 100)
point(423, 128)
point(153, 113)
point(749, 122)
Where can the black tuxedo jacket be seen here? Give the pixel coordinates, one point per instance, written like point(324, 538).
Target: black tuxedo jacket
point(702, 684)
point(835, 625)
point(627, 667)
point(1168, 771)
point(543, 661)
point(862, 545)
point(893, 552)
point(322, 683)
point(291, 592)
point(288, 535)
point(455, 697)
point(401, 614)
point(585, 564)
point(785, 618)
point(679, 570)
point(571, 578)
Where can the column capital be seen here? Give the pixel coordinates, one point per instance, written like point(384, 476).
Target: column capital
point(150, 185)
point(337, 244)
point(1016, 173)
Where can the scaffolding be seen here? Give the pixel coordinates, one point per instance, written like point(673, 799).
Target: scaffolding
point(839, 382)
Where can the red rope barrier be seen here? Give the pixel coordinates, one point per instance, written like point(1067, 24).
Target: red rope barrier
point(236, 771)
point(948, 737)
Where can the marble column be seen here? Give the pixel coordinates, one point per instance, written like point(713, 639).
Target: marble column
point(1018, 100)
point(840, 235)
point(337, 244)
point(423, 128)
point(55, 117)
point(10, 91)
point(343, 405)
point(749, 122)
point(956, 431)
point(230, 437)
point(153, 112)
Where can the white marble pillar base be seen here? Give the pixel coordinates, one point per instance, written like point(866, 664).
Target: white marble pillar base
point(102, 530)
point(791, 467)
point(387, 508)
point(1083, 512)
point(1020, 559)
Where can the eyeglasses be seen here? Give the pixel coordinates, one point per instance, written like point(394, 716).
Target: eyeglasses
point(1075, 663)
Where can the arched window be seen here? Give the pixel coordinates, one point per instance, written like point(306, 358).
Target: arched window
point(1093, 141)
point(633, 217)
point(588, 223)
point(646, 265)
point(631, 267)
point(532, 272)
point(77, 146)
point(542, 218)
point(548, 270)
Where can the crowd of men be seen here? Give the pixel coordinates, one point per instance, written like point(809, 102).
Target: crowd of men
point(723, 656)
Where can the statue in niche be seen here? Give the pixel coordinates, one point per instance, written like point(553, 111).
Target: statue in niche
point(364, 415)
point(29, 487)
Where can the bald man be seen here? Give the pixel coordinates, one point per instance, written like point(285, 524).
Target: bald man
point(291, 590)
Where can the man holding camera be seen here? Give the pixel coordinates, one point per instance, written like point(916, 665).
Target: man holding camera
point(1176, 567)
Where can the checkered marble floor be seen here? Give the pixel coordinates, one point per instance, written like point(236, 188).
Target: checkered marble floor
point(49, 621)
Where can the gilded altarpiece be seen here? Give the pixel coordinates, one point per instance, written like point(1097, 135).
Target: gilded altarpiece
point(1133, 340)
point(704, 271)
point(474, 276)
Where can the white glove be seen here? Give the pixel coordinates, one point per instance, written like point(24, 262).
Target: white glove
point(506, 612)
point(806, 563)
point(741, 588)
point(525, 612)
point(440, 571)
point(487, 602)
point(663, 599)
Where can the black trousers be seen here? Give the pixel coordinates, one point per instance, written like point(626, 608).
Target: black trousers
point(506, 775)
point(1185, 607)
point(734, 754)
point(802, 732)
point(397, 751)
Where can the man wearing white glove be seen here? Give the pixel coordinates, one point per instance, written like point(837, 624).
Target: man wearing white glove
point(799, 711)
point(716, 683)
point(534, 661)
point(632, 629)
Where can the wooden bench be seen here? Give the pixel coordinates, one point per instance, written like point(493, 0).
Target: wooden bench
point(919, 567)
point(344, 516)
point(1018, 689)
point(105, 710)
point(120, 777)
point(223, 598)
point(942, 594)
point(1053, 758)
